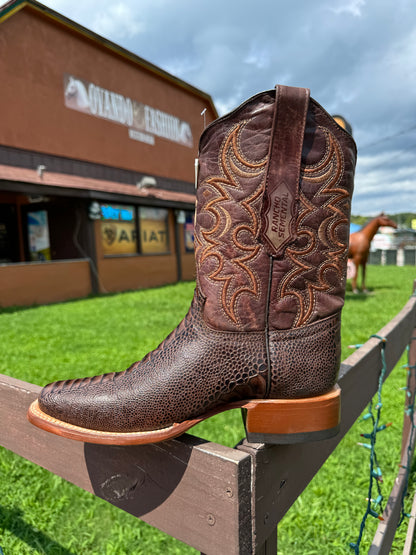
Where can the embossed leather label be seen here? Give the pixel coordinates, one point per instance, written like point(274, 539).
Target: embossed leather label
point(281, 195)
point(278, 218)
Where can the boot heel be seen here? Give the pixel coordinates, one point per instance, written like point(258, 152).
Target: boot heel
point(284, 421)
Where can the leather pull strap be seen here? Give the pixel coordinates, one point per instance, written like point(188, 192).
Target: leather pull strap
point(281, 196)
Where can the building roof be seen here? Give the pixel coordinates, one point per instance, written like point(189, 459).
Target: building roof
point(57, 180)
point(52, 182)
point(14, 6)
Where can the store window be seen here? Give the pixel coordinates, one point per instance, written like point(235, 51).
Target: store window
point(154, 238)
point(9, 247)
point(189, 231)
point(118, 229)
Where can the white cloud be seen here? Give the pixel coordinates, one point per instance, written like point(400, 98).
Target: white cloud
point(258, 56)
point(352, 7)
point(118, 21)
point(357, 58)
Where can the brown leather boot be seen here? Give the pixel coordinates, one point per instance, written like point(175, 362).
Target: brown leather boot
point(263, 331)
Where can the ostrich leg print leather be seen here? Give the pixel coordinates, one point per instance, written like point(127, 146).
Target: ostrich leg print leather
point(265, 319)
point(201, 369)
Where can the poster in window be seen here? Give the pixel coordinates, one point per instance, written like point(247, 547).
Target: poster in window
point(154, 230)
point(189, 232)
point(38, 234)
point(118, 229)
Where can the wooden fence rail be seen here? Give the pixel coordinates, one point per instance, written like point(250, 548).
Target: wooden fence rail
point(217, 499)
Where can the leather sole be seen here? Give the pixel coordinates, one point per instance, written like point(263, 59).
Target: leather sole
point(275, 421)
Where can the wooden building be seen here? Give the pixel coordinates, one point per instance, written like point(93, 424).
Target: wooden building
point(97, 150)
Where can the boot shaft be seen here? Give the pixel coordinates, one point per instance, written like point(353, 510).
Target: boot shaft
point(272, 219)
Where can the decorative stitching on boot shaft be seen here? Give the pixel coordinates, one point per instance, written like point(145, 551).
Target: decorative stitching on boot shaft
point(318, 255)
point(232, 262)
point(231, 249)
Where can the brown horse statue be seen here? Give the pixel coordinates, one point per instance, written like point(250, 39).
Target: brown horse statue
point(360, 246)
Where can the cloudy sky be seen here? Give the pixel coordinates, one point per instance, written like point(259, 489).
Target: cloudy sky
point(358, 57)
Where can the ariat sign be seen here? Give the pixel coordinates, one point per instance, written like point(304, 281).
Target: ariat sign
point(144, 122)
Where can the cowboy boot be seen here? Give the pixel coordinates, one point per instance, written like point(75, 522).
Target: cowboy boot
point(263, 330)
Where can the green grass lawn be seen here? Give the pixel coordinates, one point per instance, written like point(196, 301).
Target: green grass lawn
point(40, 513)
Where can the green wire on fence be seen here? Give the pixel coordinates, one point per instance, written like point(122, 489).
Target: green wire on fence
point(373, 505)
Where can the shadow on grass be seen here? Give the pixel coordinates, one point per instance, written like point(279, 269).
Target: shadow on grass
point(12, 519)
point(360, 297)
point(15, 308)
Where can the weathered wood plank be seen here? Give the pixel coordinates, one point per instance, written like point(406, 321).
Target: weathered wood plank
point(410, 536)
point(16, 434)
point(411, 386)
point(406, 430)
point(196, 491)
point(269, 547)
point(386, 529)
point(282, 472)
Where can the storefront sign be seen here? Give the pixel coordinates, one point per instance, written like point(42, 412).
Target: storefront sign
point(143, 121)
point(117, 212)
point(153, 230)
point(118, 229)
point(118, 238)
